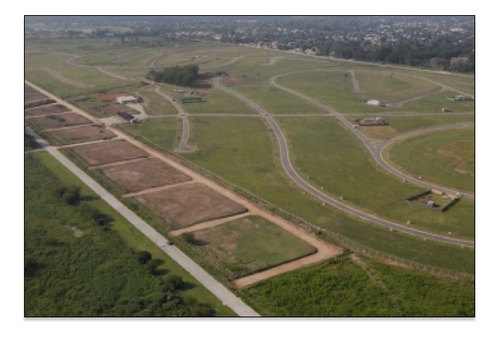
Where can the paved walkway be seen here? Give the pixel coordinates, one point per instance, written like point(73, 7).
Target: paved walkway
point(227, 297)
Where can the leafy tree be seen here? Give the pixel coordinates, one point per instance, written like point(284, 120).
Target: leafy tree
point(143, 256)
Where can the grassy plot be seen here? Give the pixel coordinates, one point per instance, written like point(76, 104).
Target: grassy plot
point(333, 159)
point(218, 102)
point(246, 156)
point(341, 288)
point(162, 133)
point(434, 103)
point(444, 157)
point(392, 87)
point(401, 124)
point(81, 257)
point(155, 104)
point(250, 244)
point(274, 100)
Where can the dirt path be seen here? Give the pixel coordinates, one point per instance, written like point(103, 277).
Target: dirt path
point(209, 224)
point(324, 249)
point(355, 83)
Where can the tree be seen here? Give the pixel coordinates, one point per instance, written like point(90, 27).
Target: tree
point(143, 256)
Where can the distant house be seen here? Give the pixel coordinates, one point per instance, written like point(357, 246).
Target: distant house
point(373, 102)
point(127, 99)
point(371, 121)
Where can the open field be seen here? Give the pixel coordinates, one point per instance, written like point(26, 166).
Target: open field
point(446, 157)
point(318, 146)
point(340, 288)
point(108, 152)
point(144, 174)
point(81, 134)
point(45, 110)
point(249, 244)
point(189, 204)
point(59, 121)
point(241, 153)
point(31, 94)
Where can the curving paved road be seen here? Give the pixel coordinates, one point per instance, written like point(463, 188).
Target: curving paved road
point(183, 145)
point(227, 297)
point(289, 169)
point(375, 151)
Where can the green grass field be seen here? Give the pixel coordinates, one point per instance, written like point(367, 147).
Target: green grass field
point(242, 152)
point(340, 288)
point(318, 145)
point(75, 267)
point(446, 158)
point(250, 244)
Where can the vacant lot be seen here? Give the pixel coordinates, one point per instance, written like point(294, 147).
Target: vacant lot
point(250, 244)
point(144, 174)
point(31, 94)
point(189, 204)
point(59, 121)
point(46, 110)
point(110, 109)
point(82, 134)
point(108, 152)
point(445, 157)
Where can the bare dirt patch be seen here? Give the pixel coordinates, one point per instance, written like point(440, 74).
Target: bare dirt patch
point(189, 204)
point(59, 121)
point(111, 109)
point(83, 134)
point(144, 174)
point(46, 110)
point(109, 152)
point(31, 94)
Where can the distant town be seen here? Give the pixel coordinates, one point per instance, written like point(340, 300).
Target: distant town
point(437, 42)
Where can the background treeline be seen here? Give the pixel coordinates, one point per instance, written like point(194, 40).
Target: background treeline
point(177, 75)
point(77, 265)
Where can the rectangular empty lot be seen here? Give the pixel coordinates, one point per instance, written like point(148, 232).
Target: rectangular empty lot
point(82, 134)
point(46, 110)
point(59, 121)
point(189, 204)
point(31, 94)
point(144, 174)
point(108, 152)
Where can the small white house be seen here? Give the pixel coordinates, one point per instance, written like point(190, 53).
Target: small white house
point(373, 102)
point(127, 99)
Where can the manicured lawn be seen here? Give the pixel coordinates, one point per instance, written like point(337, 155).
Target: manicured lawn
point(342, 288)
point(250, 244)
point(444, 157)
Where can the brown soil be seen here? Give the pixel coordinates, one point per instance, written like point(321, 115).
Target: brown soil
point(189, 204)
point(59, 121)
point(31, 94)
point(82, 134)
point(46, 110)
point(108, 152)
point(111, 109)
point(147, 173)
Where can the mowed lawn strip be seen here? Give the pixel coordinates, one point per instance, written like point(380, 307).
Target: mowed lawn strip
point(444, 157)
point(251, 244)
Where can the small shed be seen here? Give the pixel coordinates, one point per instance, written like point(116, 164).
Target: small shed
point(127, 99)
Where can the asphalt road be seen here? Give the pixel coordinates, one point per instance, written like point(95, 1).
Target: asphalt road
point(375, 151)
point(227, 297)
point(183, 145)
point(289, 169)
